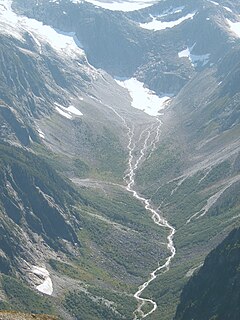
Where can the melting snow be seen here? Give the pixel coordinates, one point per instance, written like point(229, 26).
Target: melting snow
point(64, 114)
point(121, 5)
point(235, 27)
point(41, 134)
point(214, 2)
point(195, 59)
point(143, 98)
point(176, 10)
point(228, 9)
point(74, 110)
point(159, 25)
point(46, 287)
point(17, 25)
point(68, 112)
point(217, 4)
point(169, 12)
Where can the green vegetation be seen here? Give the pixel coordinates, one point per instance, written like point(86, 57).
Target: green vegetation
point(123, 303)
point(21, 298)
point(110, 156)
point(118, 206)
point(4, 305)
point(179, 200)
point(35, 167)
point(112, 243)
point(81, 168)
point(85, 307)
point(100, 304)
point(166, 161)
point(72, 271)
point(213, 293)
point(14, 315)
point(218, 172)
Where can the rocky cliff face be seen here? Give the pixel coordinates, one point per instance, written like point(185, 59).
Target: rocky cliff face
point(33, 210)
point(213, 292)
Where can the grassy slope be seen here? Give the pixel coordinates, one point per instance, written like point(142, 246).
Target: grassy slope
point(187, 154)
point(116, 256)
point(11, 315)
point(116, 252)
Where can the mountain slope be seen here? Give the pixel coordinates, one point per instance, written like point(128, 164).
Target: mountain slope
point(156, 56)
point(71, 139)
point(196, 183)
point(22, 316)
point(53, 233)
point(213, 293)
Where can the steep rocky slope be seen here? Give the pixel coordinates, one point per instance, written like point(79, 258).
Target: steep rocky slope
point(196, 184)
point(144, 43)
point(63, 242)
point(213, 293)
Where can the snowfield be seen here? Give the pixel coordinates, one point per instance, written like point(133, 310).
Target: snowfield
point(159, 25)
point(234, 27)
point(121, 5)
point(11, 23)
point(194, 59)
point(46, 287)
point(143, 98)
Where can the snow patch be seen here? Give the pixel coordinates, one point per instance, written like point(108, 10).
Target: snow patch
point(228, 9)
point(217, 4)
point(168, 12)
point(41, 134)
point(68, 112)
point(74, 110)
point(234, 27)
point(46, 287)
point(143, 98)
point(120, 5)
point(214, 2)
point(63, 113)
point(194, 59)
point(159, 25)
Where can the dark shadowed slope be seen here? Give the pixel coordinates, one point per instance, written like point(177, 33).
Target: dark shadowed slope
point(214, 292)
